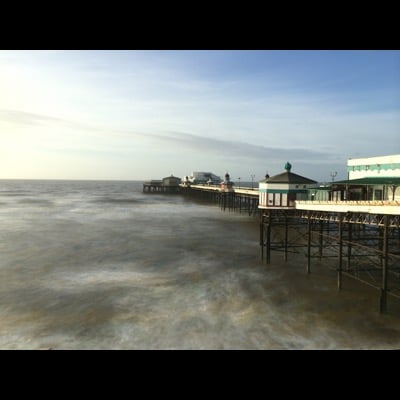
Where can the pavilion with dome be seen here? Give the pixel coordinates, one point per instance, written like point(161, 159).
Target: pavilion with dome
point(282, 190)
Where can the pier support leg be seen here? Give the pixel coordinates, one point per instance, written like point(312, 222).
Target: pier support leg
point(350, 238)
point(380, 243)
point(268, 239)
point(262, 238)
point(309, 243)
point(339, 276)
point(383, 299)
point(321, 238)
point(285, 253)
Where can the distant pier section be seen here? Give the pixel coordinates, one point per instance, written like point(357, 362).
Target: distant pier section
point(224, 194)
point(169, 184)
point(208, 187)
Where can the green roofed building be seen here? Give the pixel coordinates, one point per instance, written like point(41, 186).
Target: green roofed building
point(370, 179)
point(282, 190)
point(370, 188)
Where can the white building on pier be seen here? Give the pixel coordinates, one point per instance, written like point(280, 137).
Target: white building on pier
point(282, 190)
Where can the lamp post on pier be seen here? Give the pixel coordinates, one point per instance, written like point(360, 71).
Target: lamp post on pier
point(252, 177)
point(333, 174)
point(239, 182)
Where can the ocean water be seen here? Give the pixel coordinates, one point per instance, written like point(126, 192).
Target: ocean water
point(100, 265)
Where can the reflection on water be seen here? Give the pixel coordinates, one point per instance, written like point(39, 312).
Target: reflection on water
point(99, 265)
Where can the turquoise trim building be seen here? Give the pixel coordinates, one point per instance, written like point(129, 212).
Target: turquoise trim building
point(282, 190)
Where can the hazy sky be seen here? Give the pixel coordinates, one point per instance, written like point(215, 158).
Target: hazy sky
point(147, 114)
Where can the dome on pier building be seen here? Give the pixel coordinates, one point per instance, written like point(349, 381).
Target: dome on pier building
point(227, 184)
point(281, 191)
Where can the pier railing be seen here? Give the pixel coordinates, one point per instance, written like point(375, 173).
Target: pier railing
point(240, 200)
point(217, 188)
point(352, 202)
point(391, 207)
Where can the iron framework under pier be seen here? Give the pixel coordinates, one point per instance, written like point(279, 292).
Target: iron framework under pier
point(362, 246)
point(237, 200)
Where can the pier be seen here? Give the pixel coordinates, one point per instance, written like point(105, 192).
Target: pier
point(351, 226)
point(356, 239)
point(238, 199)
point(359, 241)
point(169, 184)
point(154, 186)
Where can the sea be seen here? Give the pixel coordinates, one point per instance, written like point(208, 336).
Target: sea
point(102, 265)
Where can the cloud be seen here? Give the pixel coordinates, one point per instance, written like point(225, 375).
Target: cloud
point(26, 118)
point(17, 117)
point(176, 139)
point(242, 150)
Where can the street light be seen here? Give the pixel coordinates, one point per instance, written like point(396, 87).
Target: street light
point(239, 182)
point(333, 174)
point(252, 177)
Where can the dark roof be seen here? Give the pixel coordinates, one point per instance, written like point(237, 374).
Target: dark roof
point(384, 180)
point(288, 177)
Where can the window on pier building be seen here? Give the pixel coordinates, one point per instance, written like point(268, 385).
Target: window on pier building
point(378, 194)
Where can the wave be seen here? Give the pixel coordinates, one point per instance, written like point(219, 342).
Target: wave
point(117, 200)
point(14, 194)
point(36, 201)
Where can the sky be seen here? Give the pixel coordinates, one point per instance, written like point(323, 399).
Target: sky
point(133, 115)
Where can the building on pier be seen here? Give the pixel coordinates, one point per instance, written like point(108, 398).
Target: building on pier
point(169, 184)
point(373, 167)
point(367, 189)
point(171, 181)
point(199, 177)
point(282, 190)
point(227, 184)
point(369, 179)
